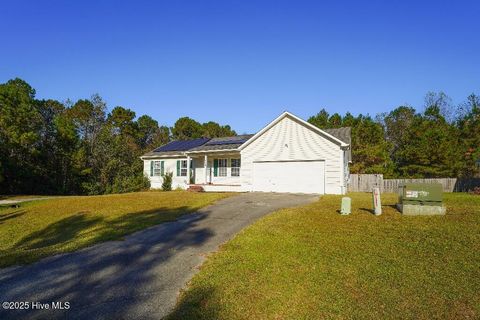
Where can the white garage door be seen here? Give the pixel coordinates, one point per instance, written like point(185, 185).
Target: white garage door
point(289, 176)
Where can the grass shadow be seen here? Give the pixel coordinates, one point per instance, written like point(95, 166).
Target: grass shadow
point(59, 232)
point(11, 215)
point(84, 229)
point(367, 210)
point(197, 303)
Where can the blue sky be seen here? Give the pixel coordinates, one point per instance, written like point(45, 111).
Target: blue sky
point(243, 62)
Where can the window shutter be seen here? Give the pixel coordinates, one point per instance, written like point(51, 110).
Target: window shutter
point(151, 168)
point(162, 168)
point(178, 168)
point(215, 167)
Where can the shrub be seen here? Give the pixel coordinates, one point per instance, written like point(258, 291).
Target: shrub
point(167, 181)
point(138, 182)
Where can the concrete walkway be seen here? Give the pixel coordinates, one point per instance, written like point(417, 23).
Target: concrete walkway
point(16, 201)
point(139, 277)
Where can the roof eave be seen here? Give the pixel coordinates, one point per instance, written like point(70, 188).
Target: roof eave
point(213, 151)
point(156, 156)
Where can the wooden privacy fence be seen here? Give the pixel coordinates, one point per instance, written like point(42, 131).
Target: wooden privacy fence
point(391, 185)
point(365, 183)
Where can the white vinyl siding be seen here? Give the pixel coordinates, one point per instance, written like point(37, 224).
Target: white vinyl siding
point(169, 165)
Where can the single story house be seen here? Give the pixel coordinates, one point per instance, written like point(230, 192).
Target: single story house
point(287, 155)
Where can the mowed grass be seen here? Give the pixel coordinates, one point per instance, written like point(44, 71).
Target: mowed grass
point(311, 263)
point(42, 228)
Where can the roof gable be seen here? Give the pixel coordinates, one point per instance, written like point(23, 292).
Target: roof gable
point(301, 121)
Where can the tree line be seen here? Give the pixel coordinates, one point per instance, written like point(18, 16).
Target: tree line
point(53, 147)
point(441, 141)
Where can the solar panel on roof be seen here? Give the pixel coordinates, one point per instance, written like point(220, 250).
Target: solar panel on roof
point(229, 140)
point(221, 142)
point(182, 145)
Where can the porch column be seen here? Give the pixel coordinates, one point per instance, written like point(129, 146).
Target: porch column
point(188, 169)
point(205, 163)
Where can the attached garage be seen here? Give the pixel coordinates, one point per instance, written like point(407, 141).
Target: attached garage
point(302, 176)
point(292, 155)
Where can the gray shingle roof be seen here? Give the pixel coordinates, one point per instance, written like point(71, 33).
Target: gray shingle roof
point(344, 134)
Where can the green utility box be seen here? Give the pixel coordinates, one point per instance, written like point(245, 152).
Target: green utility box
point(420, 199)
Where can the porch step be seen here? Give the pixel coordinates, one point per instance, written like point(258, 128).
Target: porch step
point(195, 189)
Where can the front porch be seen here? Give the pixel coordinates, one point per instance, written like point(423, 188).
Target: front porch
point(215, 170)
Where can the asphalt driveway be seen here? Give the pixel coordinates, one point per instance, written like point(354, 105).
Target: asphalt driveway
point(139, 277)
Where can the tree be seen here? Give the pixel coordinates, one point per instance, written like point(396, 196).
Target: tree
point(122, 121)
point(187, 128)
point(20, 123)
point(320, 119)
point(370, 151)
point(335, 121)
point(442, 102)
point(469, 128)
point(213, 130)
point(67, 142)
point(52, 153)
point(150, 135)
point(396, 124)
point(117, 167)
point(349, 120)
point(88, 117)
point(429, 147)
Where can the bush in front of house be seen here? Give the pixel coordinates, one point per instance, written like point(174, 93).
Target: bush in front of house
point(124, 184)
point(167, 181)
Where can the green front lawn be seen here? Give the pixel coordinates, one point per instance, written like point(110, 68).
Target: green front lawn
point(41, 228)
point(311, 263)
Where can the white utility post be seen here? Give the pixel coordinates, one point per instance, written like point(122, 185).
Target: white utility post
point(205, 164)
point(377, 203)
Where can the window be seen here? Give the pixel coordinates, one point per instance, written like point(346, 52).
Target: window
point(183, 168)
point(222, 167)
point(156, 168)
point(235, 163)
